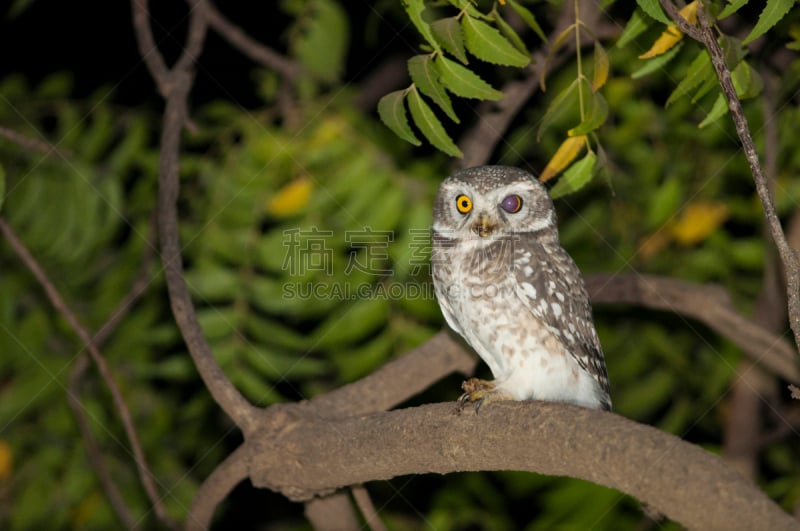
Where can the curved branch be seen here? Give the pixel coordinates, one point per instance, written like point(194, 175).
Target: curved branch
point(176, 85)
point(681, 480)
point(398, 380)
point(216, 488)
point(710, 305)
point(250, 47)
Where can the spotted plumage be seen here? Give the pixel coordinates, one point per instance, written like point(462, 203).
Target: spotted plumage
point(505, 284)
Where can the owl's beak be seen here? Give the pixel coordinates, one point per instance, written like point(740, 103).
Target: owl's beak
point(484, 226)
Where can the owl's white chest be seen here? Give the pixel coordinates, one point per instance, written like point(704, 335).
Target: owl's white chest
point(483, 305)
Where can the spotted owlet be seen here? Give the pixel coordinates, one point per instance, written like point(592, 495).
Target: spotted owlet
point(505, 284)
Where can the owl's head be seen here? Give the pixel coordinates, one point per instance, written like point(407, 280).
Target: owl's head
point(491, 202)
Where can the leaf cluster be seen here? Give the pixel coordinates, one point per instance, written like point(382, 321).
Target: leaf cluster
point(435, 75)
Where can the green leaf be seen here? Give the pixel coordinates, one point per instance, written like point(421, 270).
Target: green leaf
point(509, 33)
point(461, 81)
point(651, 65)
point(276, 365)
point(488, 44)
point(747, 81)
point(719, 108)
point(525, 14)
point(699, 70)
point(637, 25)
point(352, 322)
point(709, 84)
point(664, 202)
point(773, 12)
point(430, 126)
point(556, 107)
point(732, 7)
point(448, 32)
point(354, 363)
point(392, 111)
point(426, 77)
point(576, 176)
point(414, 9)
point(322, 44)
point(595, 112)
point(653, 8)
point(600, 73)
point(733, 50)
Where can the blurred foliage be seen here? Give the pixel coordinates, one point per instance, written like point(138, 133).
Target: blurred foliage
point(306, 249)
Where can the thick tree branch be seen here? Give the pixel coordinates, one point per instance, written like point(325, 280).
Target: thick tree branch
point(704, 34)
point(145, 475)
point(691, 486)
point(385, 388)
point(710, 305)
point(175, 85)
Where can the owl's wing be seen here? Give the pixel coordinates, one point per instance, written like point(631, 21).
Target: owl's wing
point(551, 287)
point(447, 311)
point(440, 260)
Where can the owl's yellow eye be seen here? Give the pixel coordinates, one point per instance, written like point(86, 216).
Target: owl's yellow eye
point(463, 203)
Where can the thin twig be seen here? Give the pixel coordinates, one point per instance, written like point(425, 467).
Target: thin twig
point(367, 508)
point(752, 384)
point(93, 452)
point(33, 144)
point(683, 24)
point(147, 45)
point(332, 513)
point(145, 475)
point(136, 291)
point(791, 266)
point(176, 85)
point(253, 49)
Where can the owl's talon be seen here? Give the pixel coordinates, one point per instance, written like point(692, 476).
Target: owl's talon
point(479, 392)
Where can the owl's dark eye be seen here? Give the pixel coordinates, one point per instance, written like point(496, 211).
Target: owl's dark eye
point(512, 204)
point(463, 203)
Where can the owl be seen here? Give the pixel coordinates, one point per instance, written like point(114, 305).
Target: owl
point(505, 284)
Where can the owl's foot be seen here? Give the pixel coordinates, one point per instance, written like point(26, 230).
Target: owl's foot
point(480, 392)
